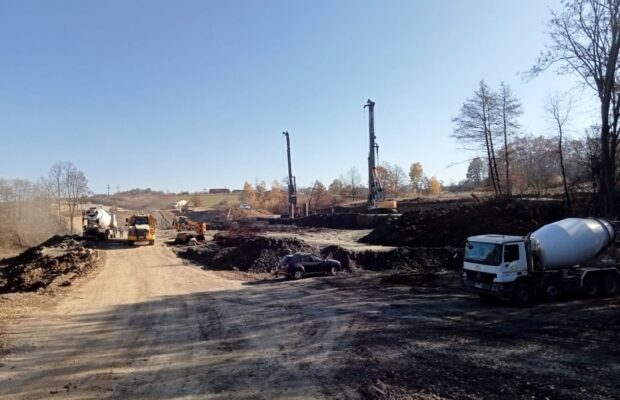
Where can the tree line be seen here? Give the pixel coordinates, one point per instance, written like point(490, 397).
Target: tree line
point(584, 40)
point(32, 211)
point(349, 187)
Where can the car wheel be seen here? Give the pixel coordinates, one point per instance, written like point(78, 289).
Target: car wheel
point(591, 287)
point(298, 274)
point(332, 270)
point(610, 285)
point(522, 296)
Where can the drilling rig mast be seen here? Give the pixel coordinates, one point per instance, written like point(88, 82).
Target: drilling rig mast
point(375, 190)
point(292, 186)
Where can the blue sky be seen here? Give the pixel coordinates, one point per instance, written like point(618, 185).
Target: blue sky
point(185, 95)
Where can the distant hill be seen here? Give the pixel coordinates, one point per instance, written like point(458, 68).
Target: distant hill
point(148, 200)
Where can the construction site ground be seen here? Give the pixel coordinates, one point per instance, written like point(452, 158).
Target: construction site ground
point(147, 325)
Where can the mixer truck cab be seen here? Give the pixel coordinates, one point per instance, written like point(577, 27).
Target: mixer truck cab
point(575, 254)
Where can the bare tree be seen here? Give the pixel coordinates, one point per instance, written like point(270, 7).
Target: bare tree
point(474, 126)
point(585, 40)
point(475, 172)
point(510, 110)
point(76, 188)
point(559, 113)
point(352, 181)
point(54, 184)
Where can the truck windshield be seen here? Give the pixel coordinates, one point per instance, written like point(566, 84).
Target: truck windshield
point(483, 253)
point(141, 221)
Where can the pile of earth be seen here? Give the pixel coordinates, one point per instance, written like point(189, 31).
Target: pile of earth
point(252, 254)
point(451, 226)
point(418, 259)
point(246, 252)
point(55, 262)
point(338, 221)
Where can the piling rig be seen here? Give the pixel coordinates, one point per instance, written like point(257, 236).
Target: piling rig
point(292, 186)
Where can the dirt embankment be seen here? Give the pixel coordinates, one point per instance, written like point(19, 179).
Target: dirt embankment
point(253, 253)
point(451, 226)
point(55, 262)
point(246, 253)
point(337, 221)
point(411, 259)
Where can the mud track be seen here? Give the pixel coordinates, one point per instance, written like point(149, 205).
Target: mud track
point(149, 326)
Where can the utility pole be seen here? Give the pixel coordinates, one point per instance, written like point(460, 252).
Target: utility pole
point(375, 191)
point(292, 186)
point(108, 190)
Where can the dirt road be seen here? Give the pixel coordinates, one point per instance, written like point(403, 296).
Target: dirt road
point(149, 327)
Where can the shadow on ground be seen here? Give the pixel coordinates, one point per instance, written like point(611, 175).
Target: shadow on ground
point(343, 337)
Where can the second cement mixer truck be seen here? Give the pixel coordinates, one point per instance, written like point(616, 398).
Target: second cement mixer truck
point(574, 254)
point(99, 223)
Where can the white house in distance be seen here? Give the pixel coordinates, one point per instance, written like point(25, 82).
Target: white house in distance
point(179, 204)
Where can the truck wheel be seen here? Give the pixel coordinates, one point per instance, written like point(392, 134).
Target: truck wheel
point(333, 271)
point(487, 298)
point(552, 290)
point(610, 285)
point(591, 287)
point(522, 295)
point(298, 274)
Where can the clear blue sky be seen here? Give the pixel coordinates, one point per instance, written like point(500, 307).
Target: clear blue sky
point(185, 95)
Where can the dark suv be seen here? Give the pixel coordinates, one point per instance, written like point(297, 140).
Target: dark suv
point(298, 265)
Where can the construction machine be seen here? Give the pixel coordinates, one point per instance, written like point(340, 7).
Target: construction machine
point(376, 194)
point(189, 229)
point(141, 229)
point(98, 223)
point(574, 254)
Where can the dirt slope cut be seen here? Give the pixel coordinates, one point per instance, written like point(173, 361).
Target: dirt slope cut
point(450, 227)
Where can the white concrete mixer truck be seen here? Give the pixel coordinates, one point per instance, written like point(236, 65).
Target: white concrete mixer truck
point(99, 223)
point(574, 254)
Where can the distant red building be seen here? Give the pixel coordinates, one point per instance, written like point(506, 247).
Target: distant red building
point(218, 191)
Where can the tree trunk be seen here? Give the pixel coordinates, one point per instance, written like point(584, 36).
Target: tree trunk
point(506, 152)
point(491, 175)
point(568, 202)
point(499, 188)
point(606, 180)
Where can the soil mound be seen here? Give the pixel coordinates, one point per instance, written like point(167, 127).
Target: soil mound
point(232, 238)
point(402, 258)
point(451, 226)
point(256, 254)
point(54, 262)
point(338, 221)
